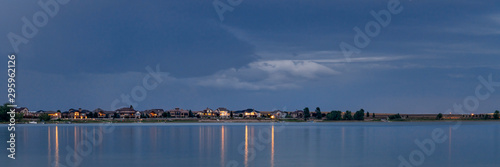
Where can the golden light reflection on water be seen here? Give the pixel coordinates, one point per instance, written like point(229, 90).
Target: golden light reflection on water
point(76, 140)
point(56, 145)
point(222, 150)
point(246, 145)
point(57, 148)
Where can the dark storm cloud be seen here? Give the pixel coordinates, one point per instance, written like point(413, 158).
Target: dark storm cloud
point(264, 54)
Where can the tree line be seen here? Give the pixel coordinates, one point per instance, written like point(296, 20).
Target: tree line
point(337, 115)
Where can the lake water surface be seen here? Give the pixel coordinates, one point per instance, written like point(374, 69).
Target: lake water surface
point(257, 144)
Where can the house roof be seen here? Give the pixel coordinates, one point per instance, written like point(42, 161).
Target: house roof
point(178, 110)
point(276, 111)
point(125, 109)
point(222, 109)
point(154, 110)
point(207, 110)
point(49, 112)
point(20, 109)
point(108, 112)
point(247, 110)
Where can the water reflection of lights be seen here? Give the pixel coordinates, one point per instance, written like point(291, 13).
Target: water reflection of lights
point(246, 145)
point(222, 150)
point(57, 148)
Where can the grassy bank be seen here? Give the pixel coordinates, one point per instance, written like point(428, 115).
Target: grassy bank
point(65, 121)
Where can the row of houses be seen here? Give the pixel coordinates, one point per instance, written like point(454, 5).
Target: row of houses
point(130, 112)
point(223, 113)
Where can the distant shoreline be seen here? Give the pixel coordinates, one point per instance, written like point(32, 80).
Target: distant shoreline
point(134, 121)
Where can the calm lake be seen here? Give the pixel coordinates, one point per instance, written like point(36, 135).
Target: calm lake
point(257, 144)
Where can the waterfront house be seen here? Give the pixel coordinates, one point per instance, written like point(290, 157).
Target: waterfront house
point(77, 114)
point(238, 114)
point(207, 113)
point(197, 114)
point(223, 112)
point(179, 113)
point(104, 114)
point(38, 113)
point(22, 110)
point(154, 113)
point(127, 112)
point(249, 113)
point(277, 114)
point(26, 113)
point(137, 114)
point(53, 114)
point(298, 114)
point(65, 114)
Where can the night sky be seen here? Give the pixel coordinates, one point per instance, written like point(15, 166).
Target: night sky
point(264, 54)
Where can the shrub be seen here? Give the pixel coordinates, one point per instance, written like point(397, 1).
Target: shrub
point(439, 116)
point(359, 115)
point(44, 117)
point(334, 115)
point(396, 116)
point(347, 115)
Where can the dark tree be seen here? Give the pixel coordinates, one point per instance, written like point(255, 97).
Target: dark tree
point(347, 115)
point(397, 116)
point(116, 115)
point(367, 114)
point(231, 114)
point(191, 113)
point(439, 116)
point(307, 114)
point(373, 115)
point(318, 113)
point(19, 116)
point(166, 115)
point(334, 115)
point(359, 115)
point(44, 117)
point(496, 115)
point(132, 107)
point(4, 117)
